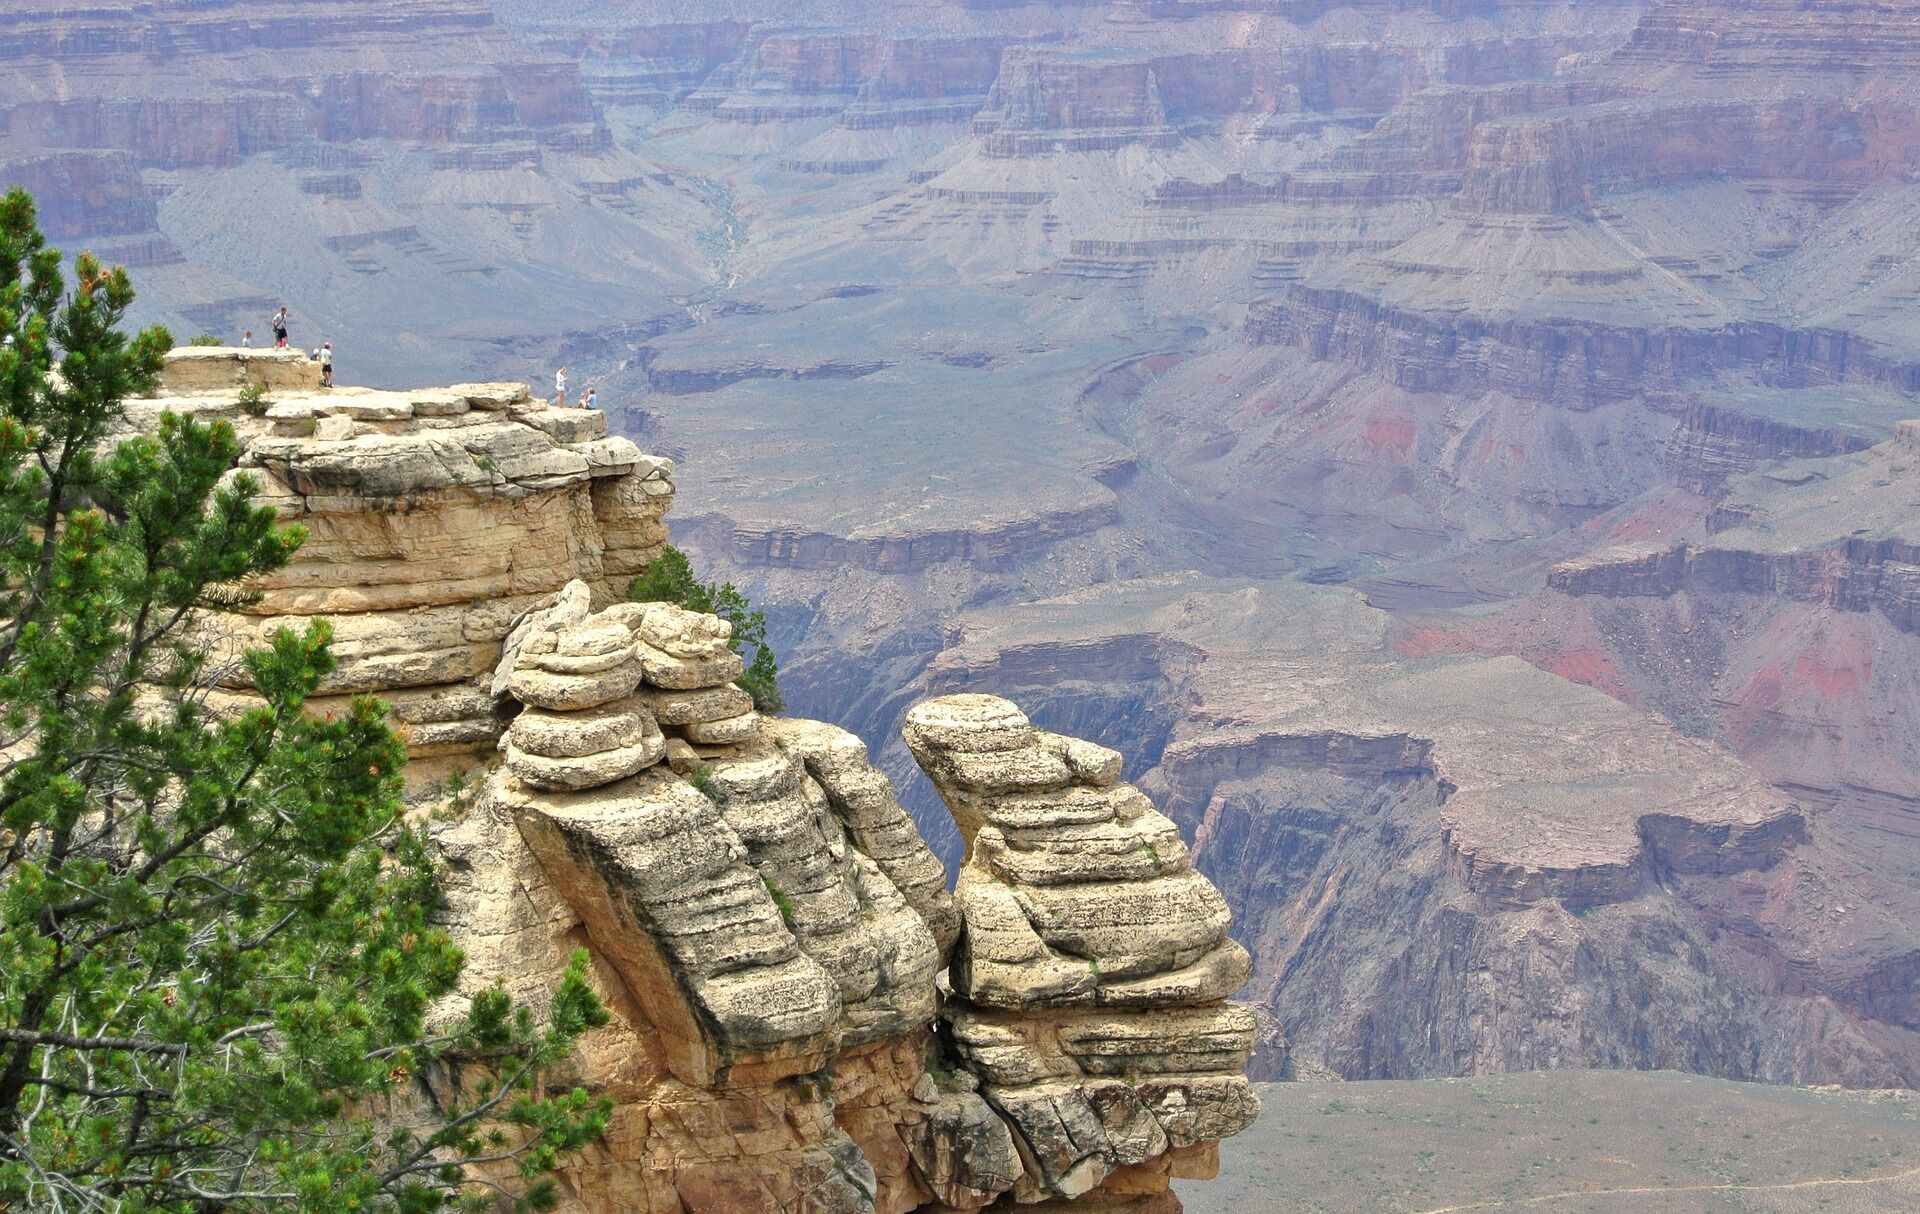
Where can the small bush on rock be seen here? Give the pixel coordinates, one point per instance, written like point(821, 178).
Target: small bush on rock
point(670, 579)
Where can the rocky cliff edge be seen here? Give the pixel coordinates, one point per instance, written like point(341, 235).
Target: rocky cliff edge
point(804, 1017)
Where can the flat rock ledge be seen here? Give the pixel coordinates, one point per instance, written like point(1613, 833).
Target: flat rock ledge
point(434, 518)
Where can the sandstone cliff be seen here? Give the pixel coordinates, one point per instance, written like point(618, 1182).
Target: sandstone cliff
point(768, 928)
point(433, 519)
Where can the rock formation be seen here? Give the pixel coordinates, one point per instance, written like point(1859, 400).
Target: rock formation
point(768, 928)
point(433, 519)
point(1093, 966)
point(966, 302)
point(765, 923)
point(1781, 617)
point(1838, 531)
point(1446, 863)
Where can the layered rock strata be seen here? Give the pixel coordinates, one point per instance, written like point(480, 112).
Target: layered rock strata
point(1781, 619)
point(1838, 531)
point(1091, 980)
point(768, 927)
point(433, 518)
point(737, 911)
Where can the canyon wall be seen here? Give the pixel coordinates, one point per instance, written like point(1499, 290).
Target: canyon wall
point(1454, 864)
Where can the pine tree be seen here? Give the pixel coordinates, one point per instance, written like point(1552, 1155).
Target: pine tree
point(217, 966)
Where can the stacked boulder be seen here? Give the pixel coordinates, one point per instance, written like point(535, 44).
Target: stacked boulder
point(596, 690)
point(1091, 979)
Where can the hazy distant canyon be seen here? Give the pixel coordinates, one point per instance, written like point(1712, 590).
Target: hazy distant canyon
point(1451, 447)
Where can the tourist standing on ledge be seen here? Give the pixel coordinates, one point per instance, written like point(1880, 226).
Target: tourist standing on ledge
point(326, 364)
point(560, 388)
point(280, 328)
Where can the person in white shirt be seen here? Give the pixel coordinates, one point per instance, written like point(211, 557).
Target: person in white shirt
point(560, 388)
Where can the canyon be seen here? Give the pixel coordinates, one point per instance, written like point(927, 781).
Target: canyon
point(1452, 451)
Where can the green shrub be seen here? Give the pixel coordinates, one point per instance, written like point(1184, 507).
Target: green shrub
point(702, 781)
point(670, 579)
point(206, 339)
point(253, 400)
point(781, 902)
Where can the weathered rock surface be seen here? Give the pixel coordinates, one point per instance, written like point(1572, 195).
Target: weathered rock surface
point(1441, 864)
point(768, 928)
point(1094, 964)
point(428, 532)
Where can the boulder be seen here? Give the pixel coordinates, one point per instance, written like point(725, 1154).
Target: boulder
point(730, 731)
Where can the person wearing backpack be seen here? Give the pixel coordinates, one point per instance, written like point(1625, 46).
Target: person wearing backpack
point(280, 328)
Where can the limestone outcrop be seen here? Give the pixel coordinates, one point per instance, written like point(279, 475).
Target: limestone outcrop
point(1091, 980)
point(769, 928)
point(773, 936)
point(434, 518)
